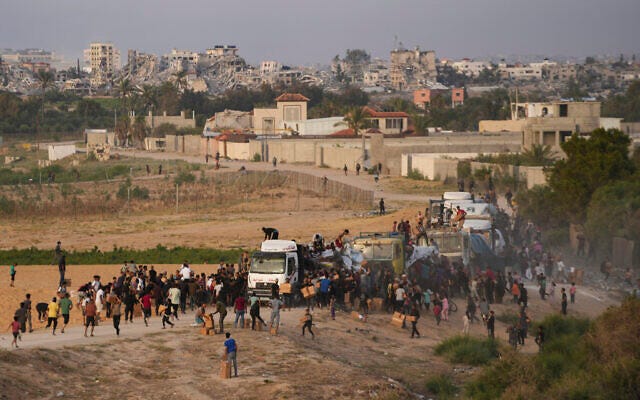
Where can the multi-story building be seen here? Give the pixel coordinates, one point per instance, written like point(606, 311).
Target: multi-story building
point(269, 67)
point(520, 71)
point(220, 51)
point(470, 68)
point(411, 68)
point(179, 60)
point(102, 60)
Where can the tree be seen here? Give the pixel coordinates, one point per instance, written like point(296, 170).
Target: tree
point(614, 210)
point(123, 126)
point(180, 80)
point(356, 119)
point(420, 123)
point(139, 130)
point(45, 80)
point(125, 90)
point(590, 164)
point(149, 95)
point(538, 155)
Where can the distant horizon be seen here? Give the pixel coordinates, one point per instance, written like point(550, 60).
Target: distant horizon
point(312, 33)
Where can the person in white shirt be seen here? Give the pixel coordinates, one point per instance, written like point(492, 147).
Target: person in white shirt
point(185, 272)
point(99, 302)
point(399, 298)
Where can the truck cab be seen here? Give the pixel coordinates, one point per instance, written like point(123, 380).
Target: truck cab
point(276, 260)
point(384, 250)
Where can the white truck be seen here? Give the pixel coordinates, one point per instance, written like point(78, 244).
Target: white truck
point(276, 260)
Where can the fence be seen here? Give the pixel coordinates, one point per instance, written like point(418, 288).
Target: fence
point(348, 194)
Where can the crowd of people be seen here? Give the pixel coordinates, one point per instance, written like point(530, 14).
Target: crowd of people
point(429, 285)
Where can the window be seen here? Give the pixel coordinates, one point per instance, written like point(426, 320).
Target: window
point(564, 110)
point(393, 123)
point(548, 138)
point(564, 135)
point(291, 113)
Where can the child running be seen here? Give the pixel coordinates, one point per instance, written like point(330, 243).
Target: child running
point(308, 322)
point(15, 330)
point(166, 316)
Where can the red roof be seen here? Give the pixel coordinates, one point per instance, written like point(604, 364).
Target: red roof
point(344, 133)
point(385, 114)
point(291, 97)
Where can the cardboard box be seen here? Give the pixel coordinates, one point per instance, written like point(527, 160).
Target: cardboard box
point(204, 331)
point(273, 331)
point(410, 318)
point(137, 310)
point(247, 323)
point(285, 288)
point(356, 316)
point(308, 292)
point(397, 319)
point(225, 369)
point(376, 304)
point(259, 326)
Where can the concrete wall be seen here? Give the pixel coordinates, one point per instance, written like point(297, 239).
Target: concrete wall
point(259, 114)
point(429, 166)
point(337, 157)
point(501, 126)
point(58, 152)
point(180, 121)
point(238, 151)
point(292, 151)
point(100, 138)
point(534, 175)
point(316, 127)
point(188, 144)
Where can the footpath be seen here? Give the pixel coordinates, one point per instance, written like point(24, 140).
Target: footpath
point(362, 181)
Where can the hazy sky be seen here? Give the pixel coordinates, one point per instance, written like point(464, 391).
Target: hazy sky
point(306, 32)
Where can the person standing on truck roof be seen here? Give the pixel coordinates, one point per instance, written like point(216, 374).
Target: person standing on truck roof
point(270, 233)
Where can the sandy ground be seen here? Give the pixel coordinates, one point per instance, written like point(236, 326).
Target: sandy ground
point(348, 359)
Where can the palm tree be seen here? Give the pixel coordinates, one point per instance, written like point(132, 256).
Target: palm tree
point(356, 119)
point(538, 155)
point(180, 80)
point(149, 96)
point(139, 130)
point(125, 90)
point(123, 125)
point(45, 78)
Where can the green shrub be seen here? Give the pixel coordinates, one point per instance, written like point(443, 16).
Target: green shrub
point(415, 174)
point(184, 177)
point(256, 157)
point(468, 350)
point(156, 255)
point(464, 169)
point(556, 237)
point(441, 386)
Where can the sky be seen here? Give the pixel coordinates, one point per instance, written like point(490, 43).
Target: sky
point(307, 32)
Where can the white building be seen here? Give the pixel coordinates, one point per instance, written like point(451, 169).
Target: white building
point(269, 67)
point(470, 68)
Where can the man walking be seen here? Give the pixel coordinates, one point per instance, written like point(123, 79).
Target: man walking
point(491, 324)
point(231, 348)
point(27, 308)
point(414, 321)
point(276, 305)
point(65, 308)
point(239, 307)
point(52, 314)
point(90, 312)
point(221, 309)
point(382, 209)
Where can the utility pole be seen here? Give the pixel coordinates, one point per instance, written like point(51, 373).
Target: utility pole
point(177, 186)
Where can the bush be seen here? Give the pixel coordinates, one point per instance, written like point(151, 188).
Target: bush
point(556, 237)
point(156, 255)
point(468, 350)
point(256, 158)
point(184, 177)
point(441, 386)
point(464, 169)
point(415, 174)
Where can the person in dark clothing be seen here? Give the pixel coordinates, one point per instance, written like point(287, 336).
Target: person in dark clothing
point(540, 338)
point(382, 210)
point(307, 323)
point(491, 324)
point(564, 302)
point(523, 296)
point(270, 233)
point(416, 316)
point(358, 169)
